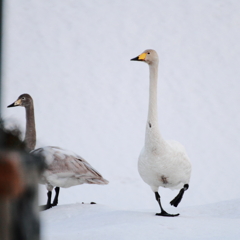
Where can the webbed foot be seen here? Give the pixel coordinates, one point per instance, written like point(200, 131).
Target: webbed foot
point(44, 207)
point(165, 214)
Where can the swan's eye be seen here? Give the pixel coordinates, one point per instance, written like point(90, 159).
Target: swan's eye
point(23, 98)
point(148, 52)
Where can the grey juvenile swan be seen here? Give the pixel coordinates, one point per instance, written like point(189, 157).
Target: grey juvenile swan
point(64, 168)
point(161, 163)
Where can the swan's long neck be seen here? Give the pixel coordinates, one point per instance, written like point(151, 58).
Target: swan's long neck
point(153, 136)
point(152, 107)
point(30, 136)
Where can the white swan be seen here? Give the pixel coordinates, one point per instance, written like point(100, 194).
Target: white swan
point(64, 168)
point(161, 163)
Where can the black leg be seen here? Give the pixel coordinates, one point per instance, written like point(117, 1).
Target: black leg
point(55, 201)
point(48, 205)
point(163, 212)
point(178, 198)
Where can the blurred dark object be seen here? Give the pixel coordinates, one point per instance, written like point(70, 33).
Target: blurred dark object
point(1, 34)
point(11, 182)
point(19, 175)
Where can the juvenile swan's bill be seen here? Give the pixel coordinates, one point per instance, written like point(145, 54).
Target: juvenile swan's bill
point(161, 163)
point(64, 168)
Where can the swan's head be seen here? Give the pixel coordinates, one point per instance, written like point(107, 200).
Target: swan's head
point(23, 100)
point(149, 56)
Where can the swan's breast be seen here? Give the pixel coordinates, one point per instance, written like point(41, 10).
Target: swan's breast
point(168, 168)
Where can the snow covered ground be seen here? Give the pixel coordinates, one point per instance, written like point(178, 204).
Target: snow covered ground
point(85, 221)
point(73, 57)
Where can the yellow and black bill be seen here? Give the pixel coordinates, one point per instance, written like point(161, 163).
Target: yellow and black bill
point(141, 57)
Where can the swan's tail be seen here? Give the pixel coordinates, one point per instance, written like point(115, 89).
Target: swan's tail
point(100, 181)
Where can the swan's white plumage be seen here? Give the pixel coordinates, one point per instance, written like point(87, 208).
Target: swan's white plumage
point(164, 167)
point(161, 163)
point(66, 169)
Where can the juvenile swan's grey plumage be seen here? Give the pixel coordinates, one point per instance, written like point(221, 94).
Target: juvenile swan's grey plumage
point(26, 101)
point(161, 163)
point(64, 168)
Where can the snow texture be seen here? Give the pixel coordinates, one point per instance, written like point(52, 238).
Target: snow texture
point(85, 221)
point(73, 58)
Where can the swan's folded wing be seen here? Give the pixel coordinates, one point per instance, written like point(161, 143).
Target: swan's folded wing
point(64, 162)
